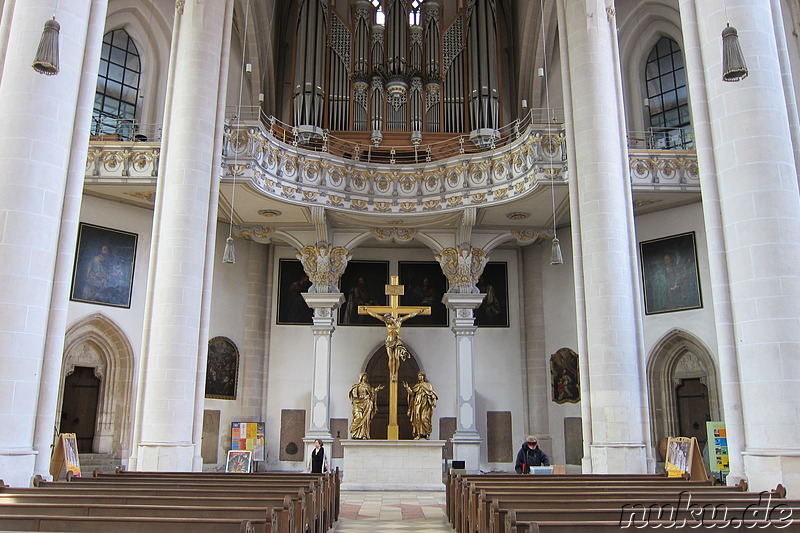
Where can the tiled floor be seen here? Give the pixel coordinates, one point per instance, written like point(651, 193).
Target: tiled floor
point(373, 512)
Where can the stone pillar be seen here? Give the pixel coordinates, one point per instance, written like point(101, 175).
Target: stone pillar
point(466, 440)
point(605, 216)
point(324, 306)
point(41, 126)
point(758, 241)
point(164, 432)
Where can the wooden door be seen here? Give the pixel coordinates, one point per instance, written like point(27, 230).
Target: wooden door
point(693, 409)
point(79, 406)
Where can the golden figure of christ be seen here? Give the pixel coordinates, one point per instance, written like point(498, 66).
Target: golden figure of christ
point(393, 315)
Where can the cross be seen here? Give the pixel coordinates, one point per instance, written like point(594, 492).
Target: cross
point(393, 316)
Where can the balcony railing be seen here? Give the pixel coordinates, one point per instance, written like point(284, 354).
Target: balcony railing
point(662, 139)
point(112, 129)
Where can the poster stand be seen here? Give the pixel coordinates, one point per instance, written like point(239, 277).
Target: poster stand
point(65, 454)
point(684, 459)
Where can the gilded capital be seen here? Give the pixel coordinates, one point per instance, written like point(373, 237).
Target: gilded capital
point(324, 266)
point(462, 266)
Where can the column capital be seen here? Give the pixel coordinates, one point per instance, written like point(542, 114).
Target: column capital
point(463, 265)
point(462, 306)
point(324, 305)
point(324, 265)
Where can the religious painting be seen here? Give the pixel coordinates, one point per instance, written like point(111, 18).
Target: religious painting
point(564, 376)
point(292, 283)
point(222, 369)
point(493, 311)
point(363, 283)
point(670, 276)
point(424, 284)
point(103, 270)
point(238, 461)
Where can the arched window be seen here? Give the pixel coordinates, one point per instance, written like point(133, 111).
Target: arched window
point(380, 17)
point(117, 87)
point(667, 97)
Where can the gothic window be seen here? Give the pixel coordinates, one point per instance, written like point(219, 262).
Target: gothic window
point(117, 87)
point(414, 13)
point(667, 97)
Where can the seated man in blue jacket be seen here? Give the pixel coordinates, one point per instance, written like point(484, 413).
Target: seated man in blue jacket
point(530, 455)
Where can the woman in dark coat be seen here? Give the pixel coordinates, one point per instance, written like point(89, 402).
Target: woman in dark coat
point(317, 462)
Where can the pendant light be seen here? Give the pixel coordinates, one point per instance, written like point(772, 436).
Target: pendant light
point(734, 67)
point(46, 60)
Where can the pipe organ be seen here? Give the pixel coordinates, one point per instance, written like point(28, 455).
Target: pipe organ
point(396, 67)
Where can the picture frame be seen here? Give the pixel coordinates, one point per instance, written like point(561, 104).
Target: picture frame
point(104, 264)
point(424, 285)
point(493, 310)
point(239, 461)
point(222, 369)
point(670, 276)
point(565, 377)
point(363, 283)
point(292, 283)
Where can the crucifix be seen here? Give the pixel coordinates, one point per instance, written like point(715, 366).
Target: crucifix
point(393, 316)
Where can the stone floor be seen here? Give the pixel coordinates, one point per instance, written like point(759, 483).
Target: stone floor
point(373, 512)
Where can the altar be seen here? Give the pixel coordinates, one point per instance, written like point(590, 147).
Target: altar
point(392, 465)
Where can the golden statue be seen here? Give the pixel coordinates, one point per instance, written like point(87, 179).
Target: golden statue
point(363, 397)
point(421, 401)
point(394, 345)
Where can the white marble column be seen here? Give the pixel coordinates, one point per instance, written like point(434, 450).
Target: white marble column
point(40, 128)
point(755, 177)
point(324, 306)
point(466, 440)
point(607, 240)
point(167, 405)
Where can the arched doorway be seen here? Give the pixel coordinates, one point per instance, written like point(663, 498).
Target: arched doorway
point(97, 375)
point(684, 394)
point(378, 374)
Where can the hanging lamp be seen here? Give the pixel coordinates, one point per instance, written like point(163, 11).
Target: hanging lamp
point(46, 60)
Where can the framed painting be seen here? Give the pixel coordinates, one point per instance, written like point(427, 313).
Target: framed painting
point(222, 369)
point(239, 461)
point(292, 283)
point(493, 311)
point(564, 376)
point(103, 271)
point(363, 283)
point(424, 285)
point(669, 273)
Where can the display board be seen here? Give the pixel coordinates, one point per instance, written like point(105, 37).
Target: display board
point(684, 459)
point(248, 436)
point(65, 454)
point(717, 447)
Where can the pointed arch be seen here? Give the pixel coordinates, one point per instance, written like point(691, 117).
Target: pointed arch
point(678, 356)
point(99, 343)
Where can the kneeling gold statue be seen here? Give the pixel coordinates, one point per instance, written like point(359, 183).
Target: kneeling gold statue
point(421, 401)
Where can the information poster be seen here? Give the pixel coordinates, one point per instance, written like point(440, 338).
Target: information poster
point(248, 436)
point(717, 447)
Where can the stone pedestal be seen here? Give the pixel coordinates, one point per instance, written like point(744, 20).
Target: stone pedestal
point(392, 465)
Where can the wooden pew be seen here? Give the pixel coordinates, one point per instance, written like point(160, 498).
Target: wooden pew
point(455, 481)
point(475, 509)
point(639, 515)
point(515, 525)
point(330, 482)
point(128, 524)
point(283, 504)
point(317, 513)
point(499, 507)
